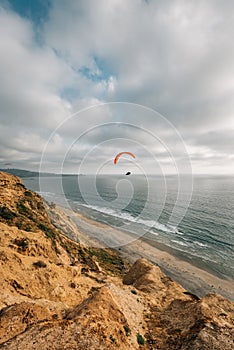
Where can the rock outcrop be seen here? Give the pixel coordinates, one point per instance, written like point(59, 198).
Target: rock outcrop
point(178, 319)
point(57, 294)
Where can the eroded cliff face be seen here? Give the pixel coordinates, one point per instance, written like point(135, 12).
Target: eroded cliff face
point(57, 294)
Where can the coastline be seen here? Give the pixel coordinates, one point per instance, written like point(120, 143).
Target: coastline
point(92, 233)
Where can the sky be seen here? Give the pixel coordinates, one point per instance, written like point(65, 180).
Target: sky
point(83, 80)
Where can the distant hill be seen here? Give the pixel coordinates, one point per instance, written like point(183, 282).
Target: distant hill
point(26, 173)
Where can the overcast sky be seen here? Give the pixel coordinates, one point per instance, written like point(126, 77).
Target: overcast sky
point(168, 64)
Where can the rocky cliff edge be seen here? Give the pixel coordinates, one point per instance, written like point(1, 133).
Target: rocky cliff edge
point(57, 294)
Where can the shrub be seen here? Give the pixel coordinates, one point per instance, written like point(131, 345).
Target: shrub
point(108, 259)
point(23, 210)
point(133, 291)
point(140, 339)
point(39, 263)
point(21, 243)
point(28, 194)
point(127, 330)
point(48, 231)
point(28, 227)
point(112, 338)
point(6, 213)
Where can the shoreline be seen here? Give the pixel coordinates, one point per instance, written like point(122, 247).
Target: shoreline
point(93, 233)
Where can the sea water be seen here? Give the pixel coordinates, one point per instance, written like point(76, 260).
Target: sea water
point(204, 236)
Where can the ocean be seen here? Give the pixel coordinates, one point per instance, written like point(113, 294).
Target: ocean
point(203, 234)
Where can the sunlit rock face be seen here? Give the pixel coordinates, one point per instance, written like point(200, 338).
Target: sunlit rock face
point(57, 294)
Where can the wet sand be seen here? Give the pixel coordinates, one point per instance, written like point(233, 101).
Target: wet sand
point(191, 277)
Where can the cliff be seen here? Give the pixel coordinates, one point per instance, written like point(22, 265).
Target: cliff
point(57, 294)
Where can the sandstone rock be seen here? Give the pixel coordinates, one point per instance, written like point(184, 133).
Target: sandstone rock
point(97, 323)
point(75, 299)
point(194, 325)
point(16, 318)
point(148, 278)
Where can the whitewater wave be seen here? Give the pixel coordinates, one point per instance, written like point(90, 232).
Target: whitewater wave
point(45, 194)
point(179, 242)
point(200, 244)
point(126, 217)
point(130, 218)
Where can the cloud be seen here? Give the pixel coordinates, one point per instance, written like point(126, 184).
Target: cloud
point(30, 76)
point(175, 57)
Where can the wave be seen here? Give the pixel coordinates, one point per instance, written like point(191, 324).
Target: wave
point(131, 218)
point(121, 215)
point(179, 242)
point(200, 244)
point(45, 194)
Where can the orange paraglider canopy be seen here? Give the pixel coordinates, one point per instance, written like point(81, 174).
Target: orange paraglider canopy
point(120, 154)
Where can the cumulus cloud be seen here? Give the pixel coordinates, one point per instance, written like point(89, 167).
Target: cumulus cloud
point(175, 57)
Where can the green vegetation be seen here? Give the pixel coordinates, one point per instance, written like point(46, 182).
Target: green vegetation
point(133, 291)
point(140, 339)
point(24, 210)
point(28, 227)
point(69, 247)
point(93, 290)
point(39, 264)
point(112, 338)
point(23, 224)
point(108, 259)
point(127, 330)
point(21, 243)
point(48, 231)
point(28, 194)
point(82, 254)
point(6, 213)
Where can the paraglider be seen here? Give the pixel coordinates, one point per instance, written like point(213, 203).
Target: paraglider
point(121, 153)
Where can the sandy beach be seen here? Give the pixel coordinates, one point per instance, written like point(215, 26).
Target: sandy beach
point(92, 233)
